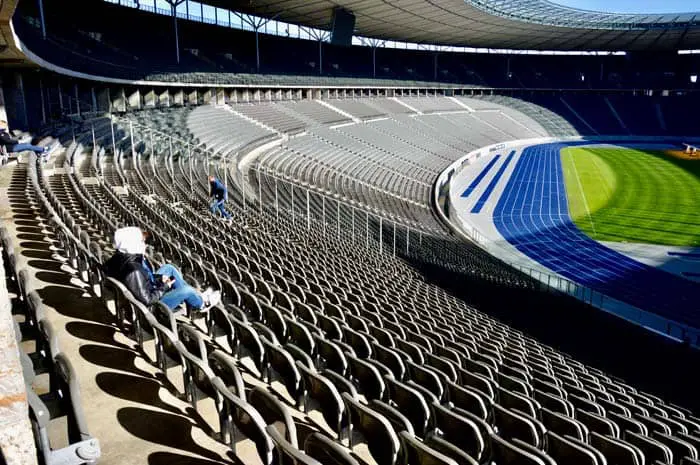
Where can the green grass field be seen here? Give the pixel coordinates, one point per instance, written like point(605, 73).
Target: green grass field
point(628, 195)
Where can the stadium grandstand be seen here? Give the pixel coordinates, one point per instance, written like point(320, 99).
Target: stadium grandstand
point(451, 232)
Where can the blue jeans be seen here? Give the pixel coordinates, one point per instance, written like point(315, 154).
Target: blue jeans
point(219, 205)
point(24, 147)
point(172, 272)
point(180, 291)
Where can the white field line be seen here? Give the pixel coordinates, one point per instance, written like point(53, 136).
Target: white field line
point(585, 201)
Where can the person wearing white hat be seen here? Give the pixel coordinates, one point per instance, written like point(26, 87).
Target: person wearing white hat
point(166, 285)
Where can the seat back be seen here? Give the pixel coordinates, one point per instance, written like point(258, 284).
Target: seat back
point(617, 451)
point(411, 403)
point(505, 452)
point(415, 452)
point(247, 420)
point(319, 388)
point(224, 367)
point(564, 450)
point(382, 441)
point(327, 451)
point(287, 453)
point(274, 413)
point(512, 424)
point(459, 430)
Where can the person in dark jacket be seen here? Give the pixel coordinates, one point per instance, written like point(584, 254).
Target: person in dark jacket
point(219, 196)
point(13, 146)
point(166, 285)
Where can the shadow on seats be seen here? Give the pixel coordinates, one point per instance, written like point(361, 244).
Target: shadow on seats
point(45, 265)
point(53, 277)
point(82, 308)
point(134, 388)
point(94, 332)
point(162, 428)
point(113, 358)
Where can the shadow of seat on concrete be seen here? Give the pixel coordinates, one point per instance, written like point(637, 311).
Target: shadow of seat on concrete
point(113, 358)
point(162, 428)
point(81, 307)
point(135, 389)
point(169, 458)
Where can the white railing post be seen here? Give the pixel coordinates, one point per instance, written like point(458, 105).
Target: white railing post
point(131, 138)
point(352, 216)
point(260, 199)
point(277, 202)
point(242, 183)
point(308, 211)
point(114, 141)
point(94, 141)
point(367, 231)
point(170, 159)
point(189, 163)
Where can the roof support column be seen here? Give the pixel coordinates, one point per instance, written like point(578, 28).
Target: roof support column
point(320, 36)
point(173, 8)
point(373, 44)
point(42, 19)
point(256, 23)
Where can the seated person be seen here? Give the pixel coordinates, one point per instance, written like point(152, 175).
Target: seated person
point(166, 285)
point(13, 145)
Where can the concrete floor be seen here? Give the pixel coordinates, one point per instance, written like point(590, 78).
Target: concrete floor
point(128, 406)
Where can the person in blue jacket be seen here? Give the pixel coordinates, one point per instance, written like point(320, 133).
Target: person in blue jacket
point(219, 196)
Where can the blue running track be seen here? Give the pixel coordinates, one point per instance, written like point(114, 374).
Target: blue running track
point(533, 215)
point(492, 185)
point(481, 176)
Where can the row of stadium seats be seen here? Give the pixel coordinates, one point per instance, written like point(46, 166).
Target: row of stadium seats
point(53, 394)
point(354, 336)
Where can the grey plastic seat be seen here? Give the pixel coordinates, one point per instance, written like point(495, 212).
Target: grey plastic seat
point(287, 453)
point(275, 414)
point(319, 388)
point(367, 377)
point(416, 452)
point(411, 403)
point(280, 361)
point(679, 448)
point(397, 419)
point(563, 426)
point(242, 417)
point(616, 450)
point(469, 399)
point(512, 424)
point(224, 367)
point(598, 424)
point(565, 450)
point(459, 430)
point(505, 452)
point(448, 449)
point(382, 441)
point(327, 451)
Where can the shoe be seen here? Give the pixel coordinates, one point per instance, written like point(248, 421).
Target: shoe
point(210, 298)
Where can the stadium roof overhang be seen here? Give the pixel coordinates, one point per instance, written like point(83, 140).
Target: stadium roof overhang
point(512, 24)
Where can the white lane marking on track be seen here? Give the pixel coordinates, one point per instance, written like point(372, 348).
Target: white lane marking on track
point(585, 201)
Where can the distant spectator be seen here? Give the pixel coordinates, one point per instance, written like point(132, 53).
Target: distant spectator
point(166, 285)
point(14, 146)
point(219, 196)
